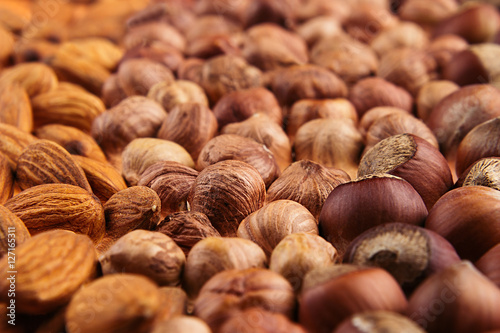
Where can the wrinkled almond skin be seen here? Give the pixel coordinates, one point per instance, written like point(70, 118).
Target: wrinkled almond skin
point(6, 179)
point(114, 303)
point(12, 143)
point(46, 162)
point(16, 107)
point(35, 78)
point(10, 222)
point(71, 107)
point(50, 267)
point(103, 178)
point(136, 207)
point(62, 206)
point(74, 140)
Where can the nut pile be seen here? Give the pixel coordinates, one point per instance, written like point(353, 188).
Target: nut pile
point(321, 166)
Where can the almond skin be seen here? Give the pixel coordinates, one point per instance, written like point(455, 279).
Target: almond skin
point(45, 162)
point(9, 222)
point(12, 143)
point(6, 179)
point(62, 206)
point(16, 107)
point(50, 269)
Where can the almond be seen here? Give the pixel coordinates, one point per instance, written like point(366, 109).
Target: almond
point(12, 143)
point(71, 107)
point(34, 77)
point(61, 206)
point(46, 162)
point(6, 179)
point(16, 107)
point(114, 303)
point(11, 224)
point(50, 267)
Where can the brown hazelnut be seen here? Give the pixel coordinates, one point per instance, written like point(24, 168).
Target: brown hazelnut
point(157, 51)
point(147, 253)
point(239, 105)
point(212, 255)
point(176, 13)
point(233, 290)
point(268, 225)
point(320, 27)
point(427, 13)
point(402, 34)
point(345, 56)
point(236, 147)
point(305, 81)
point(268, 46)
point(256, 320)
point(305, 110)
point(190, 125)
point(172, 181)
point(181, 324)
point(137, 76)
point(148, 32)
point(211, 24)
point(141, 153)
point(442, 300)
point(477, 23)
point(298, 253)
point(408, 68)
point(307, 183)
point(331, 294)
point(443, 48)
point(367, 20)
point(262, 129)
point(410, 253)
point(378, 322)
point(468, 218)
point(227, 192)
point(413, 159)
point(430, 94)
point(330, 142)
point(187, 228)
point(489, 264)
point(190, 69)
point(170, 94)
point(112, 93)
point(482, 141)
point(372, 92)
point(173, 304)
point(484, 172)
point(358, 205)
point(372, 115)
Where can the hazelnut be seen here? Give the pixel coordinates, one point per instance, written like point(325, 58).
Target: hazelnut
point(449, 290)
point(263, 130)
point(172, 181)
point(473, 211)
point(227, 192)
point(367, 20)
point(374, 114)
point(112, 93)
point(171, 94)
point(298, 253)
point(378, 322)
point(427, 13)
point(488, 264)
point(236, 147)
point(320, 27)
point(430, 94)
point(314, 185)
point(268, 225)
point(155, 31)
point(141, 153)
point(230, 291)
point(402, 34)
point(148, 253)
point(212, 255)
point(187, 228)
point(173, 304)
point(176, 14)
point(157, 51)
point(443, 48)
point(239, 105)
point(484, 172)
point(358, 205)
point(189, 125)
point(372, 92)
point(332, 143)
point(137, 76)
point(481, 141)
point(413, 159)
point(331, 294)
point(410, 253)
point(181, 324)
point(256, 320)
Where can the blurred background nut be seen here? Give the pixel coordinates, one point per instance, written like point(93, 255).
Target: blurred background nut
point(489, 265)
point(159, 52)
point(191, 125)
point(154, 31)
point(298, 253)
point(378, 322)
point(148, 253)
point(443, 48)
point(173, 303)
point(240, 105)
point(35, 78)
point(137, 76)
point(16, 107)
point(172, 181)
point(136, 207)
point(212, 255)
point(116, 302)
point(258, 320)
point(62, 206)
point(320, 27)
point(187, 228)
point(170, 94)
point(51, 267)
point(8, 222)
point(233, 290)
point(227, 192)
point(402, 34)
point(430, 94)
point(180, 324)
point(275, 220)
point(307, 183)
point(427, 13)
point(333, 143)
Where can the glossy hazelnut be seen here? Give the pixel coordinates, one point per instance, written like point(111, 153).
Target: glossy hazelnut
point(430, 94)
point(484, 172)
point(358, 205)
